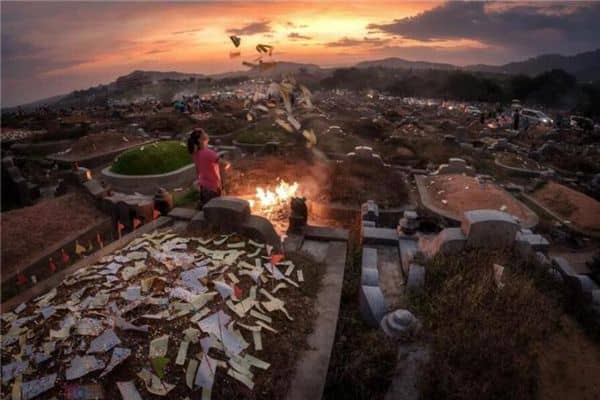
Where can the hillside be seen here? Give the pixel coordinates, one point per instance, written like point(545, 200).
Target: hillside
point(584, 66)
point(165, 85)
point(395, 62)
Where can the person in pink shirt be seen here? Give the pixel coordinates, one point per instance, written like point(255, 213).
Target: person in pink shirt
point(207, 163)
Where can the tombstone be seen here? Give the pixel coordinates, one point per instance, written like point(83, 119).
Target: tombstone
point(260, 229)
point(227, 213)
point(491, 229)
point(400, 324)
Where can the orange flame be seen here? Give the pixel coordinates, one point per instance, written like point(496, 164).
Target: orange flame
point(281, 194)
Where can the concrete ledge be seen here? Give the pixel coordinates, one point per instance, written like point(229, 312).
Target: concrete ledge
point(59, 276)
point(148, 184)
point(185, 214)
point(39, 266)
point(384, 236)
point(325, 233)
point(309, 377)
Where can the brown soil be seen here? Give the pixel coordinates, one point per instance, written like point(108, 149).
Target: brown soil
point(453, 189)
point(27, 232)
point(102, 142)
point(569, 365)
point(517, 161)
point(570, 204)
point(355, 183)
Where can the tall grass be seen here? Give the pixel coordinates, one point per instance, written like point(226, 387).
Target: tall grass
point(482, 337)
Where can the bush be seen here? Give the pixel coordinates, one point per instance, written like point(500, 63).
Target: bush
point(156, 158)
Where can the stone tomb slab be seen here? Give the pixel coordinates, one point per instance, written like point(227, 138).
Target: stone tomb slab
point(227, 213)
point(489, 229)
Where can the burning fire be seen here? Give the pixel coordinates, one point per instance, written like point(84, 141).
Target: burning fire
point(282, 193)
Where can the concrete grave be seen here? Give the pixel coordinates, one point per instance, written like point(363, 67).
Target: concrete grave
point(372, 305)
point(369, 258)
point(369, 277)
point(416, 278)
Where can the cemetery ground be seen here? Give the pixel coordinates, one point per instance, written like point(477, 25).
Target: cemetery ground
point(516, 335)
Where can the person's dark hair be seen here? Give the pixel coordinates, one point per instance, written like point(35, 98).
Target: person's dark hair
point(192, 142)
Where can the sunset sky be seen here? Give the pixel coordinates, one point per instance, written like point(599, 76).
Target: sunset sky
point(51, 48)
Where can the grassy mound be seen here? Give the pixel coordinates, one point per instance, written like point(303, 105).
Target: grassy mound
point(263, 133)
point(483, 338)
point(156, 158)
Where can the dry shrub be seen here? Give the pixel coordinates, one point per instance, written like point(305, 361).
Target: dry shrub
point(356, 182)
point(482, 337)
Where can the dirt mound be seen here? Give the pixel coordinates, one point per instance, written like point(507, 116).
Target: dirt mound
point(570, 204)
point(28, 231)
point(458, 193)
point(96, 143)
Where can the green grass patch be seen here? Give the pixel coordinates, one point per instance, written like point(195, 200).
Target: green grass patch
point(190, 196)
point(155, 158)
point(263, 133)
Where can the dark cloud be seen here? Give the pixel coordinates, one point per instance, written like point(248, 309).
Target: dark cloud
point(187, 31)
point(251, 28)
point(290, 24)
point(156, 51)
point(537, 27)
point(13, 46)
point(350, 42)
point(297, 36)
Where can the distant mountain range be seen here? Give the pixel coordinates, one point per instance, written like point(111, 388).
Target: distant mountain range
point(584, 66)
point(164, 85)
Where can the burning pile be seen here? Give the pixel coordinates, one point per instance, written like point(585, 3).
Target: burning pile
point(274, 203)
